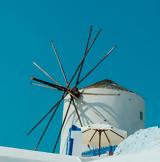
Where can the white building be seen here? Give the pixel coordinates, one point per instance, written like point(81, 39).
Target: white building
point(123, 108)
point(8, 154)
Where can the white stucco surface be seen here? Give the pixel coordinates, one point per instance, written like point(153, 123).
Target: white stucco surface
point(19, 155)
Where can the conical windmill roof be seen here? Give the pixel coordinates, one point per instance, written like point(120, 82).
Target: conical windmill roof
point(109, 84)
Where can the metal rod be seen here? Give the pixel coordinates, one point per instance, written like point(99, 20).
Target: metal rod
point(110, 51)
point(43, 71)
point(59, 62)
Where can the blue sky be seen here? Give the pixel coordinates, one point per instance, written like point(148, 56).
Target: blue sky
point(26, 29)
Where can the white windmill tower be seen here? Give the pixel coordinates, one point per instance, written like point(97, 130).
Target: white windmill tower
point(105, 102)
point(102, 102)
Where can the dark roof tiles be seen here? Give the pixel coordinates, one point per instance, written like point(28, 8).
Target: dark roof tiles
point(107, 84)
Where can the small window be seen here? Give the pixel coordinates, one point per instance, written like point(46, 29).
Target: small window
point(141, 115)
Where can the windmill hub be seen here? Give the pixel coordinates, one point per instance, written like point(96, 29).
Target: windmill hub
point(75, 92)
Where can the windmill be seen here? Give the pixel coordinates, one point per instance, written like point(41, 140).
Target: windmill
point(74, 92)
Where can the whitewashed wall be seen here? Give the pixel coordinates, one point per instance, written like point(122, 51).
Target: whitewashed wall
point(20, 155)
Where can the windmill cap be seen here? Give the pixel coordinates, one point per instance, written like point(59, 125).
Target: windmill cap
point(106, 83)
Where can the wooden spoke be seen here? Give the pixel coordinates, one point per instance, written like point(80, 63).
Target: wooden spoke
point(41, 120)
point(84, 57)
point(41, 85)
point(61, 88)
point(59, 62)
point(110, 51)
point(77, 113)
point(43, 71)
point(100, 133)
point(117, 134)
point(93, 136)
point(107, 137)
point(62, 126)
point(43, 133)
point(100, 94)
point(89, 37)
point(86, 130)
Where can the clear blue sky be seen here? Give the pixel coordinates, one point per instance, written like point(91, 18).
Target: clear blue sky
point(26, 28)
